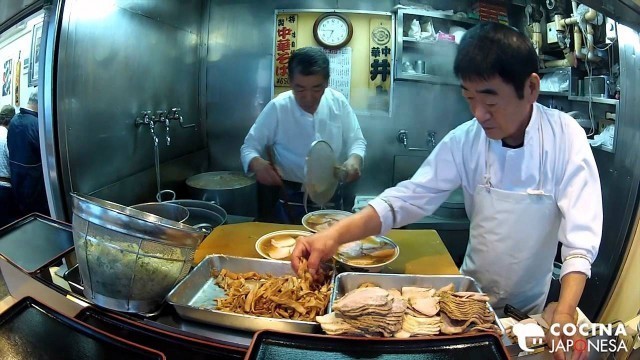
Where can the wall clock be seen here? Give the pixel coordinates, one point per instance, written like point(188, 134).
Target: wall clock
point(332, 30)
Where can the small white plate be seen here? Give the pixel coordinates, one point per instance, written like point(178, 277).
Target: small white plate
point(293, 233)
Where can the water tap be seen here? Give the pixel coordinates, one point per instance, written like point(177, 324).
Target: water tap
point(402, 137)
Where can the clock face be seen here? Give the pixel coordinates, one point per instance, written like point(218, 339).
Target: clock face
point(332, 30)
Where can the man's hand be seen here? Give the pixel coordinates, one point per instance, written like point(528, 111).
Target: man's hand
point(352, 168)
point(316, 248)
point(266, 173)
point(579, 352)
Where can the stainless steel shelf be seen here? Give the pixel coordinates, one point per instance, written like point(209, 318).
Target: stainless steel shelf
point(603, 148)
point(553, 69)
point(433, 14)
point(433, 79)
point(554, 93)
point(594, 99)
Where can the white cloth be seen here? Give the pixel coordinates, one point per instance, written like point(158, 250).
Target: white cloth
point(291, 131)
point(569, 174)
point(4, 157)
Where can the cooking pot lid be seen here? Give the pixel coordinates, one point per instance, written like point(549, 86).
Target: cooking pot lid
point(321, 181)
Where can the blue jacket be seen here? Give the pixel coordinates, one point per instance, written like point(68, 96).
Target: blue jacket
point(27, 178)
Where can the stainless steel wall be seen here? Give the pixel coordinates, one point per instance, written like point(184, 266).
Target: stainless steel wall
point(241, 35)
point(620, 178)
point(113, 63)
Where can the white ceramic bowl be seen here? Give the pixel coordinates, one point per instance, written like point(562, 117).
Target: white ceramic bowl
point(368, 268)
point(293, 233)
point(335, 213)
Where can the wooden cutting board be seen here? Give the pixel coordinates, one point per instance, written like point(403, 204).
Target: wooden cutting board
point(421, 251)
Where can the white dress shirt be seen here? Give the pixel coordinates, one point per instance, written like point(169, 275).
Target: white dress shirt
point(4, 157)
point(569, 174)
point(291, 131)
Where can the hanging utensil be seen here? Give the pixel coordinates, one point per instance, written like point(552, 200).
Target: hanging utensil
point(284, 196)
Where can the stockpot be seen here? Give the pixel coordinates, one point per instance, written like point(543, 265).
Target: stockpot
point(233, 191)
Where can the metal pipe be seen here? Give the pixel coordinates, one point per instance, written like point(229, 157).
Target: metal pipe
point(591, 54)
point(577, 42)
point(536, 37)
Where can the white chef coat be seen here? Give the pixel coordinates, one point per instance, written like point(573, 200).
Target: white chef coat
point(291, 131)
point(569, 174)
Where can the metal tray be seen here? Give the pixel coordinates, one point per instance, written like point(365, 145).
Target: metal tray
point(34, 242)
point(278, 345)
point(348, 281)
point(171, 344)
point(30, 330)
point(194, 297)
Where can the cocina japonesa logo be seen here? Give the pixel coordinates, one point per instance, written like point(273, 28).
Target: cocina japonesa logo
point(588, 331)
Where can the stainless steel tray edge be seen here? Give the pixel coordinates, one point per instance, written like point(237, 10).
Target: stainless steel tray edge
point(388, 281)
point(182, 295)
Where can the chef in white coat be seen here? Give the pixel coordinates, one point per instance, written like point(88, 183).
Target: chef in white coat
point(528, 175)
point(277, 144)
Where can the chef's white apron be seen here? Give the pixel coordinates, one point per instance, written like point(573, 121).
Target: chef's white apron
point(512, 243)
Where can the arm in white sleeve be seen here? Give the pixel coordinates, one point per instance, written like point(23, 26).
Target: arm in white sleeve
point(580, 201)
point(352, 134)
point(261, 134)
point(421, 195)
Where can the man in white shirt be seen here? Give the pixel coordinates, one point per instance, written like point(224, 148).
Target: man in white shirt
point(277, 144)
point(528, 176)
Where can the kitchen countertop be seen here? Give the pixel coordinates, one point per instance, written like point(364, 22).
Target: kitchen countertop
point(421, 251)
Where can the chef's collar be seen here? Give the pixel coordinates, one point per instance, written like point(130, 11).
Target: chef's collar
point(532, 129)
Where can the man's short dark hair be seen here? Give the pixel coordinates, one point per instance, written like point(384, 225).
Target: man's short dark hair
point(491, 49)
point(6, 114)
point(309, 61)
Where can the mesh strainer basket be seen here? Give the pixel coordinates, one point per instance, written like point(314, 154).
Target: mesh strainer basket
point(129, 260)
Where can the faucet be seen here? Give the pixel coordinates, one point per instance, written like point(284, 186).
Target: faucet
point(431, 139)
point(402, 137)
point(174, 115)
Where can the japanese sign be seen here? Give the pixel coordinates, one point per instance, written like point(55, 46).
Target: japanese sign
point(380, 54)
point(286, 41)
point(340, 70)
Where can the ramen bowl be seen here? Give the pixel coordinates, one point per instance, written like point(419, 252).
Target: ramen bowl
point(278, 245)
point(323, 219)
point(370, 254)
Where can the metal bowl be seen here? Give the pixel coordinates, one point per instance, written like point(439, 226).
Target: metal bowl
point(373, 268)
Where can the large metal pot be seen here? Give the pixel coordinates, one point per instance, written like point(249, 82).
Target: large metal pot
point(199, 204)
point(232, 190)
point(202, 214)
point(165, 210)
